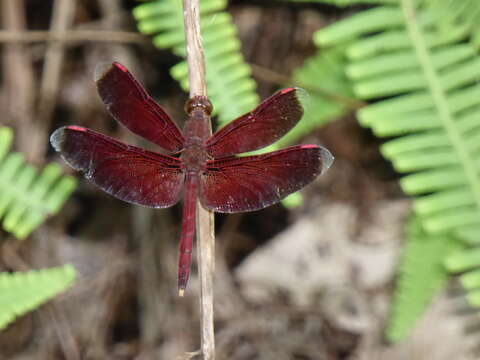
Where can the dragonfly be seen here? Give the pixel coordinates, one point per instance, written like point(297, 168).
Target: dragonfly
point(193, 163)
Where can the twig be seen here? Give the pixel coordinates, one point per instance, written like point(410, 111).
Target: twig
point(195, 52)
point(62, 18)
point(18, 78)
point(63, 331)
point(71, 36)
point(189, 355)
point(205, 228)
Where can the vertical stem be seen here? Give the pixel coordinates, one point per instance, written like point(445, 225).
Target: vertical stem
point(18, 79)
point(195, 52)
point(205, 228)
point(62, 19)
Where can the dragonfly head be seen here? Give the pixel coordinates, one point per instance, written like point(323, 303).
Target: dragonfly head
point(199, 103)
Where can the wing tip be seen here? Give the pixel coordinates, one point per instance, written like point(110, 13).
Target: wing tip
point(327, 158)
point(288, 90)
point(119, 66)
point(298, 96)
point(293, 89)
point(57, 139)
point(104, 67)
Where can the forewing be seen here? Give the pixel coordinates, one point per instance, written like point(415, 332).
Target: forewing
point(129, 103)
point(267, 123)
point(255, 182)
point(129, 173)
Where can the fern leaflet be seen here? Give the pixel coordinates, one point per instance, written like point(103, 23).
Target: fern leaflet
point(21, 292)
point(27, 198)
point(421, 274)
point(343, 3)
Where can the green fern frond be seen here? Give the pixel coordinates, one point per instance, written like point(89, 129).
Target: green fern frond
point(421, 273)
point(21, 292)
point(230, 85)
point(451, 14)
point(28, 197)
point(426, 80)
point(344, 3)
point(467, 262)
point(328, 93)
point(433, 106)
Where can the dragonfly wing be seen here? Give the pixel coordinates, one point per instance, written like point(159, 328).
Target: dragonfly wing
point(129, 173)
point(267, 123)
point(237, 184)
point(129, 103)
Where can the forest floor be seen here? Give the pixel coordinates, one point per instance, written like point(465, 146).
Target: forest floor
point(314, 282)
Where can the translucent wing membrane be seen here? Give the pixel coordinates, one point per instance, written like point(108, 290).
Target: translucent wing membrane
point(267, 123)
point(127, 172)
point(250, 183)
point(129, 103)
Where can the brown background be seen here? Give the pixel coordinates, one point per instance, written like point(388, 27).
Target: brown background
point(314, 282)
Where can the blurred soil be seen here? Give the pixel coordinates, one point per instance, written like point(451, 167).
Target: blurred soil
point(314, 282)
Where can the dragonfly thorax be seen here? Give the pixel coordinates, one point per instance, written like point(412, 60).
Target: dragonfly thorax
point(197, 127)
point(194, 158)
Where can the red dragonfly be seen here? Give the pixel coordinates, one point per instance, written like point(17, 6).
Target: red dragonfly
point(205, 166)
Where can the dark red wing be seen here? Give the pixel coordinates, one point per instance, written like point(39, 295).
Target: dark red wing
point(129, 173)
point(129, 103)
point(250, 183)
point(267, 123)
